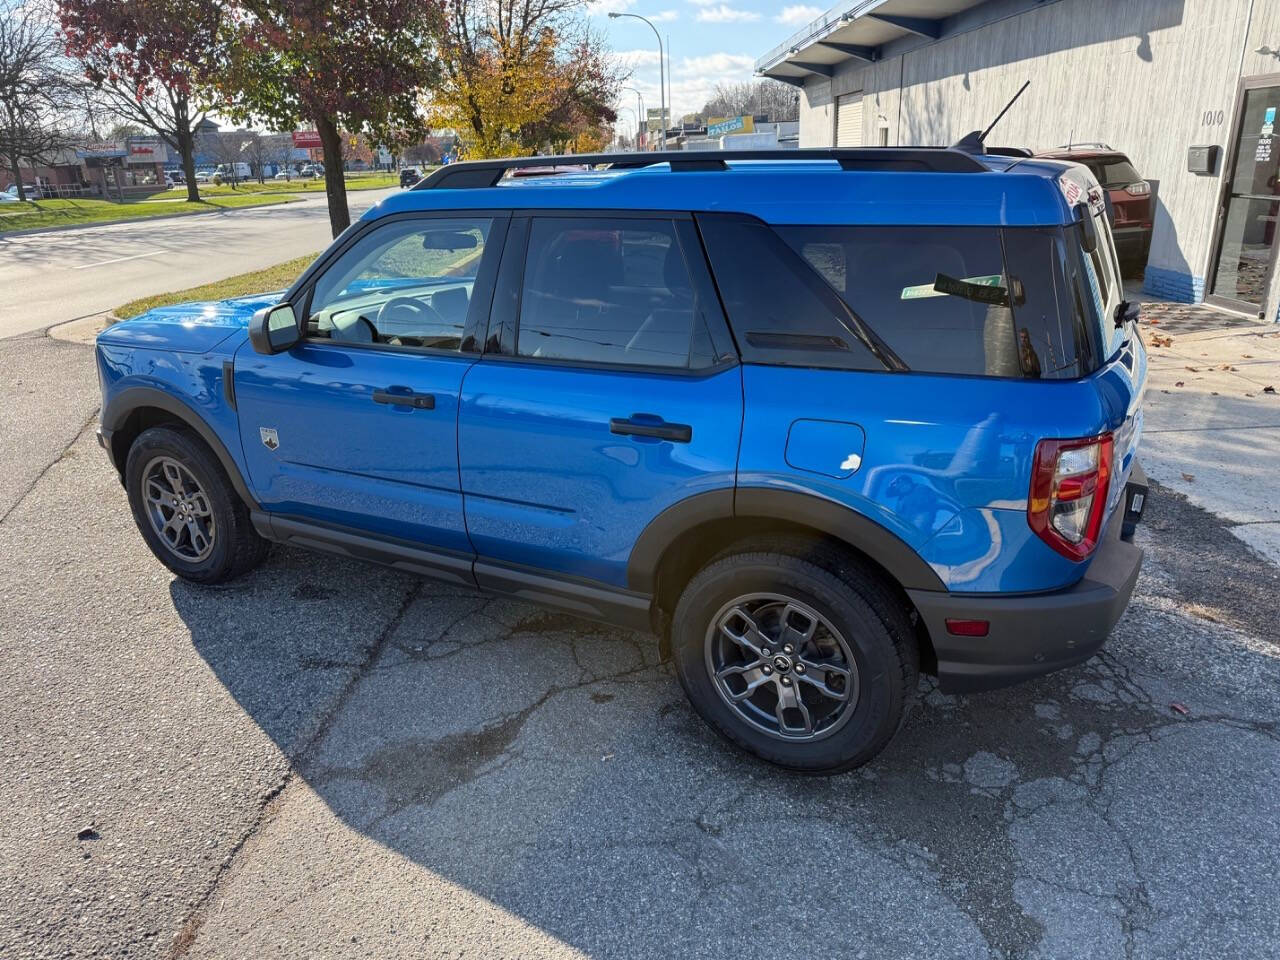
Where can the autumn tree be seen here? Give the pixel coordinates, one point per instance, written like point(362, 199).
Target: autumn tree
point(353, 67)
point(150, 59)
point(520, 74)
point(35, 90)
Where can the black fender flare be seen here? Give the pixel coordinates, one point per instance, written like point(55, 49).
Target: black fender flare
point(887, 549)
point(131, 399)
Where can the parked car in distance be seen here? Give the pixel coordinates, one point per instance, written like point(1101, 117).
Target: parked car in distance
point(782, 413)
point(177, 176)
point(1130, 196)
point(204, 176)
point(286, 175)
point(313, 170)
point(409, 176)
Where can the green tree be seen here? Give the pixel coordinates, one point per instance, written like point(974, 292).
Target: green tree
point(347, 66)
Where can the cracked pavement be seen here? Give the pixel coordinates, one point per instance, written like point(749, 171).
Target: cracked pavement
point(329, 759)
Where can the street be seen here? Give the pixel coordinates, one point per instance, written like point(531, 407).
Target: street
point(71, 273)
point(330, 759)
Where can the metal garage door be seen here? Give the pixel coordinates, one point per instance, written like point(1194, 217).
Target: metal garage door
point(849, 120)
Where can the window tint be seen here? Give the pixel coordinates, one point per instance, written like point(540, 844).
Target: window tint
point(608, 291)
point(407, 283)
point(1114, 173)
point(939, 299)
point(780, 310)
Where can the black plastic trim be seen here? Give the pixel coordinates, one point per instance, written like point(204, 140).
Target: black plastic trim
point(229, 382)
point(131, 399)
point(589, 599)
point(664, 529)
point(438, 564)
point(1030, 635)
point(906, 566)
point(486, 173)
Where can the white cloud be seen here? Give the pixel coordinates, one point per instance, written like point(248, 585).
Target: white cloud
point(798, 15)
point(716, 63)
point(634, 59)
point(666, 16)
point(598, 8)
point(703, 3)
point(725, 14)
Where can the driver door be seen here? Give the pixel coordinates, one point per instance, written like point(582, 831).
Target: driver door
point(356, 426)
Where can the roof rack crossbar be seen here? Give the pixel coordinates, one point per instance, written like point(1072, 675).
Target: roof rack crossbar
point(487, 173)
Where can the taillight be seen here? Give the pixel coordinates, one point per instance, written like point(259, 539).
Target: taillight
point(1069, 483)
point(1139, 189)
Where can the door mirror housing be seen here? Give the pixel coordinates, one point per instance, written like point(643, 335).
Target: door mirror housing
point(1126, 313)
point(274, 329)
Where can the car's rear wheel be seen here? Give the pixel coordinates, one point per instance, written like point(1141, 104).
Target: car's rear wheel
point(796, 654)
point(187, 510)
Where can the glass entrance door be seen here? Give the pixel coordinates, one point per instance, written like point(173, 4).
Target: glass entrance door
point(1250, 217)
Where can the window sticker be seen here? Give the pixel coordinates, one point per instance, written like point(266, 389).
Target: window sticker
point(922, 290)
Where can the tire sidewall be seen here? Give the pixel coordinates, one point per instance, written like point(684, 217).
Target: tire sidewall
point(163, 441)
point(880, 700)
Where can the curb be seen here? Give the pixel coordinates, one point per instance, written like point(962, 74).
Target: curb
point(84, 330)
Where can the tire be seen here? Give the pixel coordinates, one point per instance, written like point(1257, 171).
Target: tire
point(852, 612)
point(227, 546)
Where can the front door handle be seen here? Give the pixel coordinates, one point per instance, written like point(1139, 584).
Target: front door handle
point(648, 425)
point(404, 397)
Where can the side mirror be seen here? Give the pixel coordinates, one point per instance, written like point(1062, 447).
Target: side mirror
point(1126, 312)
point(274, 329)
point(1088, 228)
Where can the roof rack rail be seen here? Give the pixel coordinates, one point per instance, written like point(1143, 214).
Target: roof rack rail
point(486, 173)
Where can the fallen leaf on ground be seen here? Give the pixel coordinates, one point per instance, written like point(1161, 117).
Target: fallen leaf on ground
point(1189, 477)
point(1268, 389)
point(1247, 356)
point(1193, 369)
point(1181, 708)
point(1178, 384)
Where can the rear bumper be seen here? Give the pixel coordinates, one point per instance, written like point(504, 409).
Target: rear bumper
point(1036, 634)
point(1132, 243)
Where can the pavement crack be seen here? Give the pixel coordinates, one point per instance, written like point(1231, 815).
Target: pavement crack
point(272, 801)
point(50, 465)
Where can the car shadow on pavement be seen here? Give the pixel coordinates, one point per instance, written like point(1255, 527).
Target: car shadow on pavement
point(483, 753)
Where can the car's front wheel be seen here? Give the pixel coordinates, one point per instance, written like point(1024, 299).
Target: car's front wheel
point(187, 510)
point(797, 654)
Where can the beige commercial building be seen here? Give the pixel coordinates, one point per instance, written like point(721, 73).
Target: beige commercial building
point(1151, 78)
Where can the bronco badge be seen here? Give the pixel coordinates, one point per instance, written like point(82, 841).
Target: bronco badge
point(269, 438)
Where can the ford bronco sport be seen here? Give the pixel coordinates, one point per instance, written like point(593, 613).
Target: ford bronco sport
point(820, 420)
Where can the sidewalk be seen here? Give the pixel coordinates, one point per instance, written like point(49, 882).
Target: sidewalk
point(1212, 428)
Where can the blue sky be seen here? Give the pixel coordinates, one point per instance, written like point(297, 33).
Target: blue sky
point(711, 41)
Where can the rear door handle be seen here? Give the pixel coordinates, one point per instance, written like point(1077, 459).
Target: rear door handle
point(647, 425)
point(404, 397)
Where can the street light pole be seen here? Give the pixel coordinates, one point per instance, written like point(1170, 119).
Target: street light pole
point(642, 115)
point(662, 75)
point(629, 110)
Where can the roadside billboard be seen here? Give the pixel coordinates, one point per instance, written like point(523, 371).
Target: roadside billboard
point(307, 139)
point(719, 126)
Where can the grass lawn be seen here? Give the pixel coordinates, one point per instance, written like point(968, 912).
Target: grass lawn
point(259, 281)
point(58, 213)
point(355, 181)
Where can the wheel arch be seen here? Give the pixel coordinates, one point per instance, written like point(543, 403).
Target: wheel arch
point(681, 539)
point(136, 409)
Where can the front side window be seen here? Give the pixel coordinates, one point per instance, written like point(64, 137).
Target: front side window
point(613, 291)
point(406, 283)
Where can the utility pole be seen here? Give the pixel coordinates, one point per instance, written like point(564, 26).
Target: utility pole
point(662, 74)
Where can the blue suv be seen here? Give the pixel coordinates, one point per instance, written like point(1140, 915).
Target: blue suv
point(820, 420)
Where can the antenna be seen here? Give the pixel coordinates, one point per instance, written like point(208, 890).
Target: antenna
point(972, 142)
point(1022, 88)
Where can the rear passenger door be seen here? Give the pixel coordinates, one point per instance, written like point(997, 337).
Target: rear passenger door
point(609, 390)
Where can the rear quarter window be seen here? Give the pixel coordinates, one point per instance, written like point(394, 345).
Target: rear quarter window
point(975, 301)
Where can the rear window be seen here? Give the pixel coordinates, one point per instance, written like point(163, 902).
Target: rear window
point(959, 300)
point(1113, 172)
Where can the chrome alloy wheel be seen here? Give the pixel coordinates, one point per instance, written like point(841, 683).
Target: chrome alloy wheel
point(782, 667)
point(178, 508)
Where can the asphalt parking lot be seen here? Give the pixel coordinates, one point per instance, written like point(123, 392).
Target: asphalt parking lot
point(328, 759)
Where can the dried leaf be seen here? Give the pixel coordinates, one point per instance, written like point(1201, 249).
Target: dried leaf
point(1247, 356)
point(1179, 384)
point(1189, 477)
point(1268, 389)
point(1193, 369)
point(1181, 708)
